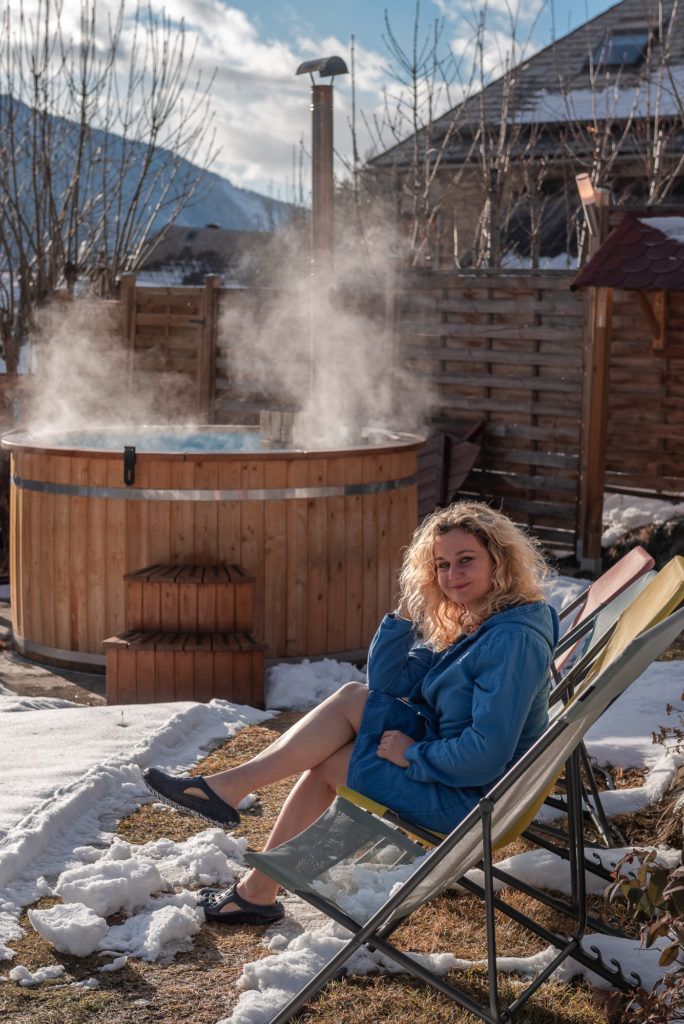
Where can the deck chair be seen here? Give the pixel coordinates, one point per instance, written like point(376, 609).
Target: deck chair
point(589, 635)
point(598, 595)
point(648, 600)
point(321, 864)
point(592, 631)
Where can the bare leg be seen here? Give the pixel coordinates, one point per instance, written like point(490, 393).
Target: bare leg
point(327, 729)
point(311, 795)
point(320, 745)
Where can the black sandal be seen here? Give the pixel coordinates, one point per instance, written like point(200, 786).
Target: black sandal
point(212, 900)
point(173, 791)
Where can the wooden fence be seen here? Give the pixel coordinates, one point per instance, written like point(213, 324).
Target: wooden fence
point(173, 331)
point(507, 348)
point(510, 348)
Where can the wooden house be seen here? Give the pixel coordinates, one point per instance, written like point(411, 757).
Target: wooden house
point(606, 100)
point(186, 255)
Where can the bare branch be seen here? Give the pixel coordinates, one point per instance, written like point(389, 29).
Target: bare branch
point(99, 143)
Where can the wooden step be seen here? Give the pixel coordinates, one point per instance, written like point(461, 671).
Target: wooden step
point(190, 599)
point(145, 667)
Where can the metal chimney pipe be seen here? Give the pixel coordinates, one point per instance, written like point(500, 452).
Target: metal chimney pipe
point(322, 191)
point(322, 206)
point(322, 216)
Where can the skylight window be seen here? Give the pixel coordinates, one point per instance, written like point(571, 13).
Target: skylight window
point(623, 49)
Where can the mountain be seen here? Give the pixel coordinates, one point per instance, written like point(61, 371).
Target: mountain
point(235, 209)
point(107, 158)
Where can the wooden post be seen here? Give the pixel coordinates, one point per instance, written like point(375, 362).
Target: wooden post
point(595, 396)
point(206, 369)
point(594, 427)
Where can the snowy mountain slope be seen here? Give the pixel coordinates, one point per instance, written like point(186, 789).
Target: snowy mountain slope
point(108, 157)
point(233, 208)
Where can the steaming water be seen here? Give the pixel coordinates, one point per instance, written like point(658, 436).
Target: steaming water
point(150, 439)
point(179, 440)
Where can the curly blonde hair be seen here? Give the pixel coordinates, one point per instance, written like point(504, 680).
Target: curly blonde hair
point(519, 568)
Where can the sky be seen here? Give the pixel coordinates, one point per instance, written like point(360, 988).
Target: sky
point(261, 109)
point(63, 796)
point(249, 52)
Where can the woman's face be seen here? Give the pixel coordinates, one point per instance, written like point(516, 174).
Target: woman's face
point(464, 568)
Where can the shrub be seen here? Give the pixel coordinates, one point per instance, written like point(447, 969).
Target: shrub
point(656, 895)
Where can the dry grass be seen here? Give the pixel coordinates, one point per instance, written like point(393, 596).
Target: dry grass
point(198, 987)
point(675, 651)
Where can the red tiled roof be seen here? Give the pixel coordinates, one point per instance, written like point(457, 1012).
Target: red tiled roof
point(639, 253)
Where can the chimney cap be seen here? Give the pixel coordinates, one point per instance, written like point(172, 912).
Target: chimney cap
point(325, 66)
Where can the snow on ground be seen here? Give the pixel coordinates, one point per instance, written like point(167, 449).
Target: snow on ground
point(70, 773)
point(269, 983)
point(621, 512)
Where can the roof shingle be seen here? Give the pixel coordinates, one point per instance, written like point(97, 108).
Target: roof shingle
point(646, 250)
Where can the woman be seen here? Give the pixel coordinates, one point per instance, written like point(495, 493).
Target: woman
point(443, 717)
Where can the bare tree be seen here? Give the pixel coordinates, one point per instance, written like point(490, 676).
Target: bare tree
point(469, 149)
point(659, 121)
point(101, 136)
point(421, 76)
point(487, 177)
point(505, 170)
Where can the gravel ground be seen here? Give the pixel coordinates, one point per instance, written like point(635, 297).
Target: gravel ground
point(29, 679)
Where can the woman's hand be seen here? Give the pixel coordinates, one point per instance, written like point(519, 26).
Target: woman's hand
point(392, 747)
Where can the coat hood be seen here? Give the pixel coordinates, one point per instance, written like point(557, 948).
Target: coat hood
point(537, 616)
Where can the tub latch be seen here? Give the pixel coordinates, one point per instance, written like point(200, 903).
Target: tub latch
point(129, 465)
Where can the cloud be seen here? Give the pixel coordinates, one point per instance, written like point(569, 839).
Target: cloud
point(259, 109)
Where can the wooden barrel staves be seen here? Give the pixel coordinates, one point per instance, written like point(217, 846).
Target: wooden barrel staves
point(322, 533)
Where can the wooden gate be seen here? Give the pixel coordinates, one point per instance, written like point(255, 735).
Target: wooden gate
point(173, 331)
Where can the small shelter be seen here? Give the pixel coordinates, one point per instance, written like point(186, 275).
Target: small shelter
point(644, 255)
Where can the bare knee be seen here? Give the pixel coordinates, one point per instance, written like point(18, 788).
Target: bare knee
point(352, 697)
point(353, 693)
point(333, 771)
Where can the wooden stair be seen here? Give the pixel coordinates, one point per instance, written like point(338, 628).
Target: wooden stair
point(188, 637)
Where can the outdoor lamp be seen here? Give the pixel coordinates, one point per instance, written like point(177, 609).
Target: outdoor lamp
point(587, 196)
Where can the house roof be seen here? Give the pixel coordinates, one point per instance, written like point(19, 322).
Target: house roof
point(645, 251)
point(179, 242)
point(558, 85)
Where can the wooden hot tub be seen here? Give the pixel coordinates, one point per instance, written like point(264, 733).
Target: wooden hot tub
point(321, 531)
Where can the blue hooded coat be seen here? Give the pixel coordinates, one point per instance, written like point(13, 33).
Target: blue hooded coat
point(471, 709)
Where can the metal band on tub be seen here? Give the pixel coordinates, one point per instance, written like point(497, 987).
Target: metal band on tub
point(251, 494)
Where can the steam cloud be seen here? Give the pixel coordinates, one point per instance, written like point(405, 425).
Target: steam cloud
point(319, 344)
point(84, 378)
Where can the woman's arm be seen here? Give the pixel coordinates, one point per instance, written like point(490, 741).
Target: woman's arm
point(511, 670)
point(395, 662)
